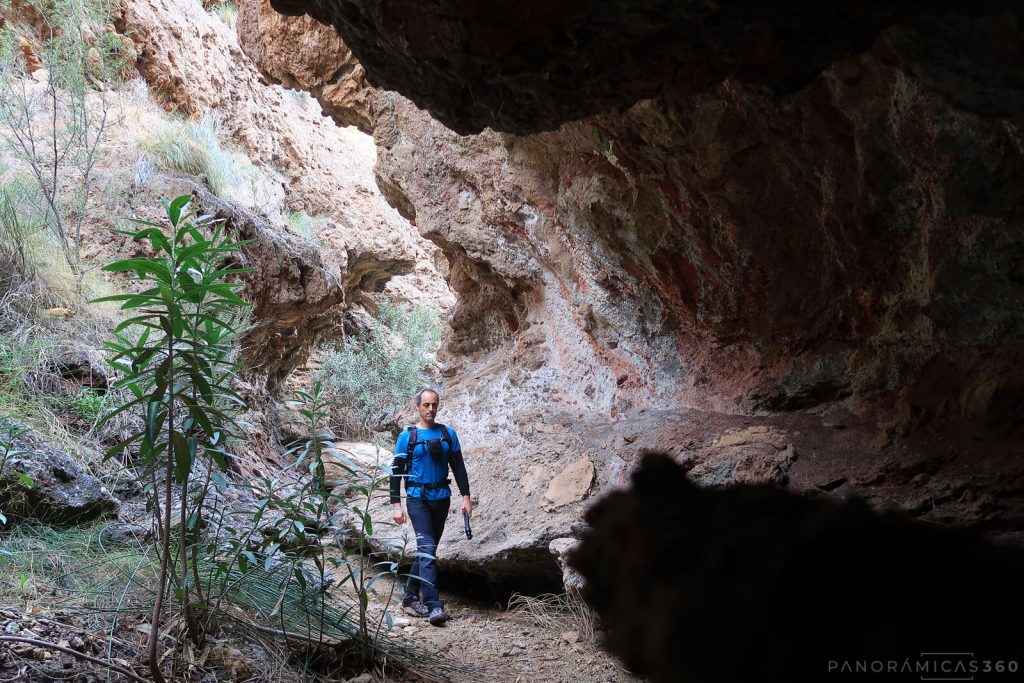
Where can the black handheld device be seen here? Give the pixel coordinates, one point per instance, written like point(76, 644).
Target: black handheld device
point(465, 519)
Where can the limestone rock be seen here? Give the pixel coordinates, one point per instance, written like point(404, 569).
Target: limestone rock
point(81, 365)
point(572, 484)
point(561, 548)
point(325, 170)
point(344, 457)
point(751, 435)
point(759, 454)
point(308, 55)
point(295, 295)
point(62, 491)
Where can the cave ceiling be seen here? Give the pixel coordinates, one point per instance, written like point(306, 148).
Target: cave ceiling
point(524, 67)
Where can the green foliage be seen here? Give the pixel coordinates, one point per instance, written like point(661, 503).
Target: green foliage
point(87, 404)
point(377, 371)
point(309, 514)
point(78, 567)
point(178, 368)
point(227, 12)
point(194, 148)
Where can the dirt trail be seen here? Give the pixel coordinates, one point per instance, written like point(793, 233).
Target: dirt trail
point(511, 646)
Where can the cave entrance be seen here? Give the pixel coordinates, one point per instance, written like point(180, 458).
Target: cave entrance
point(483, 590)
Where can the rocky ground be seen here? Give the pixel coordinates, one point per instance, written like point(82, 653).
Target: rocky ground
point(57, 626)
point(514, 647)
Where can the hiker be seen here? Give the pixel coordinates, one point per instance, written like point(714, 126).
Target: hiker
point(423, 454)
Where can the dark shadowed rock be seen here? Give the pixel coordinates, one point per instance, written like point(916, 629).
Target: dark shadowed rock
point(754, 583)
point(61, 490)
point(523, 67)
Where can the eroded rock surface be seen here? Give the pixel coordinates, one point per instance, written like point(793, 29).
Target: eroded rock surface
point(649, 277)
point(52, 487)
point(323, 170)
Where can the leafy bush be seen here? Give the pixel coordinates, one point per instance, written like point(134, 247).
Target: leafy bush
point(378, 371)
point(87, 404)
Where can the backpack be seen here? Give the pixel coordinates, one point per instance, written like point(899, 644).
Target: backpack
point(413, 440)
point(413, 434)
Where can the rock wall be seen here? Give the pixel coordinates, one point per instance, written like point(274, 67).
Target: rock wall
point(853, 248)
point(193, 65)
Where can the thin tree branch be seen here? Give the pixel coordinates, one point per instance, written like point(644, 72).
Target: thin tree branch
point(67, 650)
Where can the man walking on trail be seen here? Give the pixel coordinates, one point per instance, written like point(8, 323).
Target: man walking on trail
point(423, 454)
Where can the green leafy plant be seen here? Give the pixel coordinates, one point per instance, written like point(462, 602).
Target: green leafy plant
point(25, 587)
point(333, 496)
point(176, 355)
point(375, 371)
point(87, 404)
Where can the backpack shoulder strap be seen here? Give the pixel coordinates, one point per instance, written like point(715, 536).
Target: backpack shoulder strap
point(412, 442)
point(447, 437)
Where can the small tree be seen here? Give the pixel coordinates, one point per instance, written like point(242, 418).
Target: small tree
point(177, 358)
point(55, 126)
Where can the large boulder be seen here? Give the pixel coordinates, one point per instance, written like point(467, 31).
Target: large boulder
point(42, 482)
point(755, 583)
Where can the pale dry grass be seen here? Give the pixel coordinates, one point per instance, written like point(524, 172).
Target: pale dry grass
point(561, 613)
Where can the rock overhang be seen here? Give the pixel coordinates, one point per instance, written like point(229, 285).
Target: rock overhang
point(524, 67)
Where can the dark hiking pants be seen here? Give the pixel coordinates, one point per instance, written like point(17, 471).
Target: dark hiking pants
point(428, 517)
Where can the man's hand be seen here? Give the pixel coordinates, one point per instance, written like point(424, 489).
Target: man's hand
point(467, 506)
point(397, 513)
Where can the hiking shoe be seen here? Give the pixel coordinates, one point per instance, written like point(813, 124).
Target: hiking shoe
point(416, 609)
point(437, 617)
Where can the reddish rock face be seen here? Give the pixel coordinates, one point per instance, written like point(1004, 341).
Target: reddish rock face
point(853, 248)
point(723, 251)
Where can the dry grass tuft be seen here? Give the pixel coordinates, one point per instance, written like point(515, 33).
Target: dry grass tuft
point(562, 613)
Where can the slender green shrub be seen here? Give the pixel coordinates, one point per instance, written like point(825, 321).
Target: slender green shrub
point(178, 367)
point(377, 371)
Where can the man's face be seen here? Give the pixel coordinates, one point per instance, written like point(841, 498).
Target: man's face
point(428, 406)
